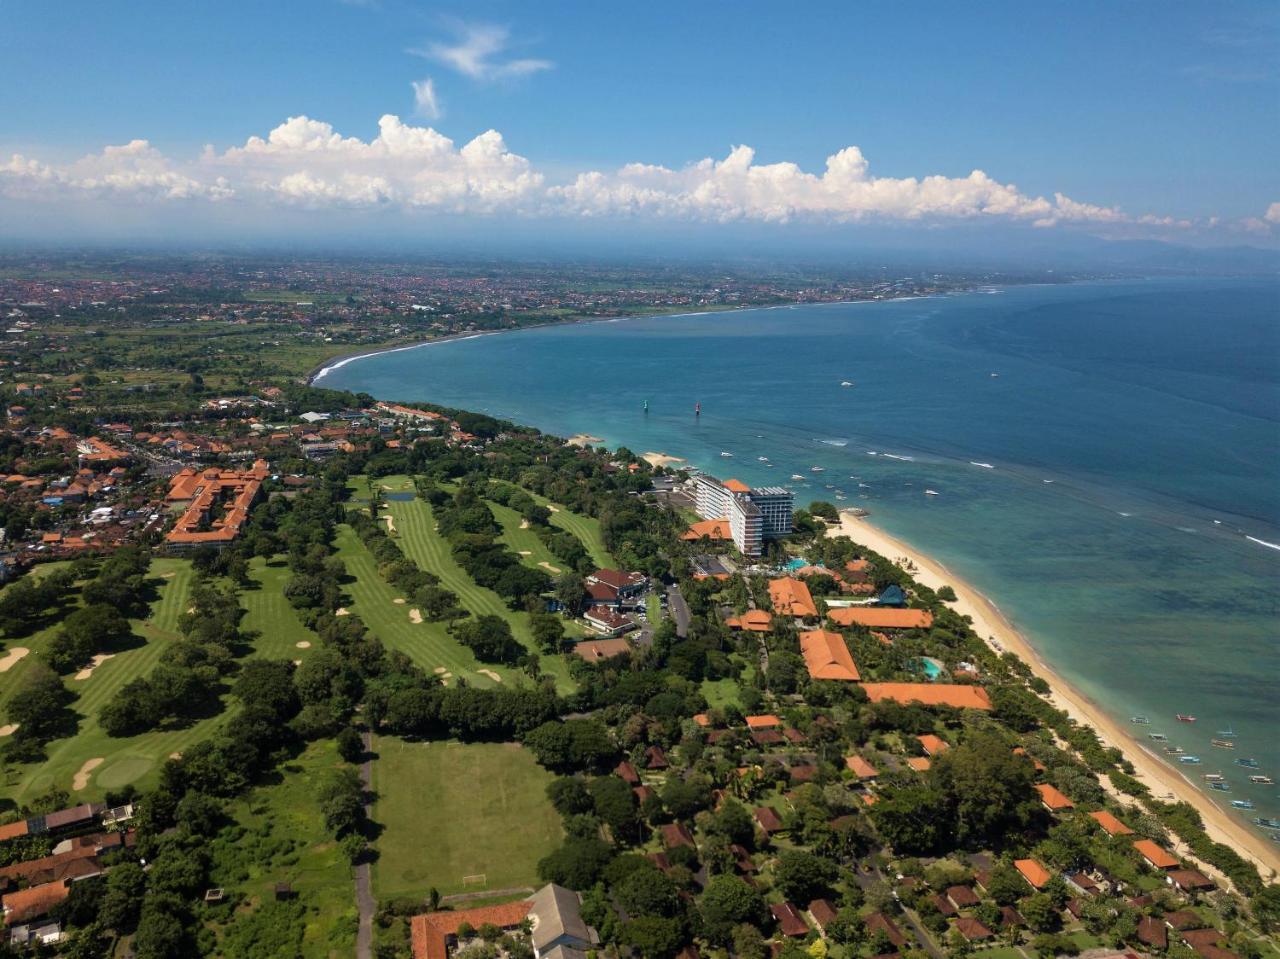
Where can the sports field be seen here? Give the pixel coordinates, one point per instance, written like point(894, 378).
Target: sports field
point(452, 811)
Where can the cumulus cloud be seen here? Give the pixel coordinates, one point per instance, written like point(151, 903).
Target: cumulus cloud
point(1273, 213)
point(477, 52)
point(306, 163)
point(425, 101)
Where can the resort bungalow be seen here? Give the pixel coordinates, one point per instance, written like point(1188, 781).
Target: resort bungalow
point(1189, 880)
point(929, 694)
point(1053, 800)
point(769, 820)
point(932, 744)
point(860, 767)
point(1155, 855)
point(1035, 874)
point(676, 834)
point(763, 721)
point(972, 929)
point(881, 617)
point(607, 621)
point(1110, 824)
point(827, 656)
point(791, 597)
point(34, 901)
point(823, 913)
point(790, 922)
point(752, 621)
point(559, 931)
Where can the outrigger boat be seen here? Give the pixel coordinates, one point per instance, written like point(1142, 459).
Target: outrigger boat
point(1227, 733)
point(1214, 778)
point(1159, 737)
point(1221, 787)
point(1266, 823)
point(1184, 718)
point(1174, 750)
point(1247, 763)
point(1242, 803)
point(1139, 720)
point(1222, 743)
point(1189, 760)
point(1262, 780)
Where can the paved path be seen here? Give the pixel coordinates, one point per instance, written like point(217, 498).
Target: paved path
point(365, 903)
point(679, 611)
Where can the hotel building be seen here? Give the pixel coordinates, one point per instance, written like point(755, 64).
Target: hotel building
point(754, 515)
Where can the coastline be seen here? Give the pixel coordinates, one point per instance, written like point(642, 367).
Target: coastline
point(990, 623)
point(339, 360)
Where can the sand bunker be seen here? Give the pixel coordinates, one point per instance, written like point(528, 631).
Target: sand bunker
point(399, 601)
point(391, 523)
point(439, 670)
point(549, 567)
point(525, 552)
point(302, 644)
point(9, 729)
point(12, 657)
point(342, 611)
point(168, 575)
point(415, 616)
point(491, 674)
point(175, 755)
point(524, 524)
point(94, 664)
point(82, 777)
point(297, 662)
point(554, 509)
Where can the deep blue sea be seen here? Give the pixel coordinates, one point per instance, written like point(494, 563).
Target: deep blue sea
point(1132, 432)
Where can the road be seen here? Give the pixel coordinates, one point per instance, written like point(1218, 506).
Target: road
point(679, 610)
point(365, 903)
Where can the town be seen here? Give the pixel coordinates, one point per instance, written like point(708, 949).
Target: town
point(290, 671)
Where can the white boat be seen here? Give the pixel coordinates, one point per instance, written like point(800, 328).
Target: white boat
point(985, 466)
point(1214, 778)
point(1262, 780)
point(763, 459)
point(845, 383)
point(796, 476)
point(1189, 760)
point(816, 469)
point(726, 454)
point(931, 492)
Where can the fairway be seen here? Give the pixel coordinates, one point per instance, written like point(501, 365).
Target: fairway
point(452, 810)
point(586, 528)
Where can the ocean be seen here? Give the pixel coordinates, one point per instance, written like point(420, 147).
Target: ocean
point(1103, 460)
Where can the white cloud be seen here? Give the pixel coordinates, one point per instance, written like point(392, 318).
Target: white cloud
point(425, 100)
point(1273, 213)
point(477, 53)
point(306, 163)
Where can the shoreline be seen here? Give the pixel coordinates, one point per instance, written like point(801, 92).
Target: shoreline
point(340, 360)
point(990, 623)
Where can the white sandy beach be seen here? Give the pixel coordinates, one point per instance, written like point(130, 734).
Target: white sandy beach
point(584, 439)
point(661, 459)
point(991, 624)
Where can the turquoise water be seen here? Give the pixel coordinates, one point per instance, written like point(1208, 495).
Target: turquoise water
point(794, 564)
point(1101, 486)
point(932, 668)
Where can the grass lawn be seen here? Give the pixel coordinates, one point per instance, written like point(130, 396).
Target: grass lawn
point(524, 541)
point(132, 759)
point(586, 528)
point(415, 529)
point(285, 840)
point(268, 613)
point(451, 810)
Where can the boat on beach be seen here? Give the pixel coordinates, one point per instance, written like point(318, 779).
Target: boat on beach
point(1174, 750)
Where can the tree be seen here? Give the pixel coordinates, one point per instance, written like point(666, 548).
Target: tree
point(577, 864)
point(989, 791)
point(1040, 912)
point(268, 684)
point(570, 796)
point(734, 823)
point(908, 818)
point(122, 901)
point(647, 891)
point(803, 876)
point(161, 930)
point(548, 632)
point(570, 593)
point(1006, 885)
point(341, 799)
point(654, 937)
point(350, 744)
point(573, 744)
point(41, 709)
point(489, 637)
point(726, 903)
point(615, 805)
point(83, 633)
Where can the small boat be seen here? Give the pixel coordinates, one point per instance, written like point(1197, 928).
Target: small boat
point(1140, 720)
point(763, 459)
point(1247, 763)
point(841, 496)
point(931, 492)
point(985, 466)
point(727, 454)
point(1181, 717)
point(1227, 733)
point(845, 383)
point(1158, 737)
point(1222, 743)
point(817, 469)
point(1174, 750)
point(1213, 778)
point(1220, 787)
point(796, 476)
point(1242, 803)
point(1266, 823)
point(995, 375)
point(1189, 760)
point(1262, 780)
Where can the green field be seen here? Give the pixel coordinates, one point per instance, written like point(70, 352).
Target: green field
point(132, 759)
point(268, 613)
point(586, 528)
point(452, 810)
point(524, 541)
point(285, 840)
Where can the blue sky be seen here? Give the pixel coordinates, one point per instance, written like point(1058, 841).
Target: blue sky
point(1137, 108)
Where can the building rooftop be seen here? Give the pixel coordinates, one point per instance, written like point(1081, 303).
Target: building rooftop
point(929, 694)
point(827, 656)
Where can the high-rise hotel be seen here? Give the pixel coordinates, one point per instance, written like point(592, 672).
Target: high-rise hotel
point(754, 515)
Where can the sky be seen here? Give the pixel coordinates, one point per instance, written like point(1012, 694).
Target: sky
point(313, 117)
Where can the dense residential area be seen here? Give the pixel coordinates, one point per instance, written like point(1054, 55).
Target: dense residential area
point(294, 672)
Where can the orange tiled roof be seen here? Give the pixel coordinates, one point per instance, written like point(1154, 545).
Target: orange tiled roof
point(766, 721)
point(932, 744)
point(919, 763)
point(33, 902)
point(827, 656)
point(929, 694)
point(1032, 872)
point(429, 931)
point(1052, 798)
point(791, 597)
point(1110, 824)
point(1155, 855)
point(753, 621)
point(882, 617)
point(861, 768)
point(710, 528)
point(736, 486)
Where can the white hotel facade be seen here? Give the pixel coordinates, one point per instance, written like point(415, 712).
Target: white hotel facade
point(754, 515)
